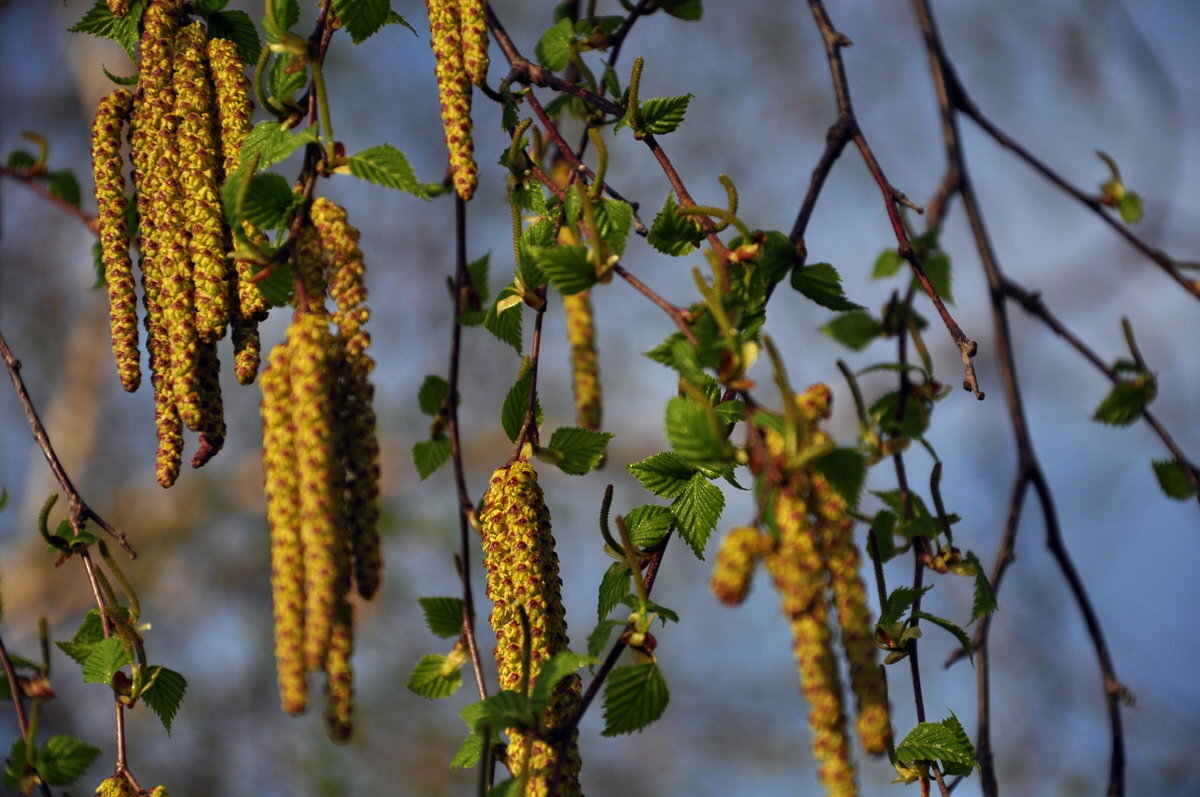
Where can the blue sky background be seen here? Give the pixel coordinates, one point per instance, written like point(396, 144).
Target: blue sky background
point(1065, 78)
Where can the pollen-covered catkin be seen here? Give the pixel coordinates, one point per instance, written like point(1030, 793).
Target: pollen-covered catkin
point(114, 787)
point(310, 346)
point(738, 556)
point(212, 422)
point(234, 108)
point(454, 92)
point(283, 518)
point(339, 704)
point(474, 39)
point(585, 364)
point(522, 574)
point(111, 117)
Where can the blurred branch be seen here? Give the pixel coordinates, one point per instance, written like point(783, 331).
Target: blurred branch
point(29, 177)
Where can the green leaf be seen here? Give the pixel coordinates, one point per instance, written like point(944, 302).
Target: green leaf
point(952, 628)
point(513, 787)
point(469, 752)
point(697, 511)
point(673, 233)
point(503, 318)
point(614, 586)
point(164, 695)
point(393, 18)
point(276, 287)
point(1173, 479)
point(89, 634)
point(477, 272)
point(427, 679)
point(1124, 404)
point(287, 14)
point(387, 166)
point(777, 256)
point(581, 449)
point(561, 665)
point(664, 474)
point(898, 603)
point(615, 220)
point(693, 435)
point(99, 21)
point(855, 329)
point(285, 79)
point(274, 143)
point(206, 7)
point(20, 160)
point(634, 697)
point(662, 115)
point(429, 455)
point(269, 201)
point(506, 709)
point(690, 10)
point(663, 612)
point(567, 267)
point(553, 50)
point(648, 524)
point(516, 404)
point(1130, 207)
point(361, 18)
point(237, 27)
point(443, 615)
point(936, 266)
point(944, 741)
point(888, 264)
point(102, 663)
point(821, 283)
point(64, 186)
point(63, 759)
point(432, 394)
point(985, 597)
point(846, 471)
point(598, 639)
point(120, 81)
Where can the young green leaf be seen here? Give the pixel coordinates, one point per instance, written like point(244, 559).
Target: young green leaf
point(953, 629)
point(429, 455)
point(393, 18)
point(99, 21)
point(888, 264)
point(936, 266)
point(598, 639)
point(634, 697)
point(856, 329)
point(63, 759)
point(846, 471)
point(664, 614)
point(985, 597)
point(693, 435)
point(237, 27)
point(898, 603)
point(581, 449)
point(272, 143)
point(697, 510)
point(120, 81)
point(1124, 404)
point(614, 585)
point(648, 524)
point(673, 233)
point(443, 615)
point(567, 267)
point(269, 201)
point(102, 663)
point(690, 10)
point(361, 18)
point(432, 393)
point(503, 318)
point(288, 76)
point(560, 666)
point(477, 272)
point(89, 634)
point(64, 186)
point(615, 220)
point(664, 474)
point(821, 283)
point(387, 166)
point(553, 50)
point(944, 741)
point(470, 751)
point(164, 694)
point(506, 709)
point(662, 115)
point(286, 14)
point(429, 680)
point(1173, 479)
point(1130, 207)
point(516, 404)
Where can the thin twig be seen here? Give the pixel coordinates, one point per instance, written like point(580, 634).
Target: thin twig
point(29, 177)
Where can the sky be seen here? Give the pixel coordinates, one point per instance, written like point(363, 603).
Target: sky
point(1066, 78)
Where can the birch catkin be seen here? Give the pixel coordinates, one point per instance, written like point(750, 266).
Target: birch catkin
point(474, 39)
point(454, 92)
point(585, 364)
point(522, 575)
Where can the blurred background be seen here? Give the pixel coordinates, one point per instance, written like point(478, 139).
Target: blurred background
point(1065, 77)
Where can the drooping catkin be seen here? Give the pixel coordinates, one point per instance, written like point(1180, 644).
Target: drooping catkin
point(212, 412)
point(282, 484)
point(111, 118)
point(522, 575)
point(234, 108)
point(737, 558)
point(585, 364)
point(339, 689)
point(454, 92)
point(474, 39)
point(114, 787)
point(321, 532)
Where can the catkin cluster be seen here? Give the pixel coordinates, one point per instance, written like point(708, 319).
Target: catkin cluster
point(458, 35)
point(320, 463)
point(814, 563)
point(522, 577)
point(186, 121)
point(120, 787)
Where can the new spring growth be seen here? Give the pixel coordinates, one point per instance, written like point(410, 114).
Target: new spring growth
point(454, 91)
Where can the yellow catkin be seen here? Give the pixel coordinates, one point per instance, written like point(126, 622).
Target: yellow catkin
point(119, 8)
point(355, 394)
point(169, 430)
point(159, 791)
point(247, 347)
point(797, 569)
point(454, 92)
point(212, 423)
point(253, 304)
point(114, 787)
point(737, 558)
point(842, 562)
point(234, 108)
point(585, 364)
point(111, 117)
point(283, 517)
point(339, 706)
point(199, 148)
point(522, 574)
point(474, 39)
point(310, 345)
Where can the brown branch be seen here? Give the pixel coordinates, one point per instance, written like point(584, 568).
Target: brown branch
point(30, 178)
point(80, 512)
point(1029, 470)
point(847, 126)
